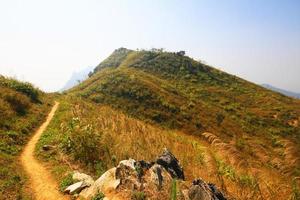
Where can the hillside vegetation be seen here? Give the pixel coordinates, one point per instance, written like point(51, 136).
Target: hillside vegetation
point(180, 93)
point(93, 138)
point(22, 108)
point(224, 129)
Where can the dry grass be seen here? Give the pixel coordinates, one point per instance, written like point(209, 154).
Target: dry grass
point(268, 183)
point(216, 161)
point(291, 157)
point(229, 151)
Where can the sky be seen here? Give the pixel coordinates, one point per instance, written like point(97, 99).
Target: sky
point(44, 42)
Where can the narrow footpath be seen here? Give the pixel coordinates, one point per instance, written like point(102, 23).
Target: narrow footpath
point(40, 181)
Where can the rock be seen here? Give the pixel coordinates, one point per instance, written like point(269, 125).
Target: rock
point(130, 163)
point(197, 192)
point(128, 176)
point(88, 180)
point(105, 183)
point(47, 147)
point(171, 164)
point(158, 176)
point(200, 190)
point(75, 188)
point(216, 192)
point(154, 179)
point(144, 164)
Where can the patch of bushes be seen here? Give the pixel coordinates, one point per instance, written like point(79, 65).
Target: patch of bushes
point(225, 170)
point(18, 102)
point(83, 142)
point(23, 87)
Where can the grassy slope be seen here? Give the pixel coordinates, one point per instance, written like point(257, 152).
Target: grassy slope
point(180, 93)
point(22, 109)
point(252, 149)
point(111, 136)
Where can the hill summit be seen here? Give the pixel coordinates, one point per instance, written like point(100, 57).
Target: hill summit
point(174, 90)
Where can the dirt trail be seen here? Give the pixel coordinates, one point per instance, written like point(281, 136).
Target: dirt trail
point(40, 181)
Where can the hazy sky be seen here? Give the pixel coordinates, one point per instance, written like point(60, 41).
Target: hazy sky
point(45, 41)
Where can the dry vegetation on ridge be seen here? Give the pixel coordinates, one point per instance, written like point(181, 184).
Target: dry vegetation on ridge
point(121, 137)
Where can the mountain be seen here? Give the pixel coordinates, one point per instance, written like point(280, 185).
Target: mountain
point(223, 129)
point(282, 91)
point(75, 77)
point(180, 93)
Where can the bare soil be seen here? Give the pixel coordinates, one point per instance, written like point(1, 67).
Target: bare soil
point(41, 183)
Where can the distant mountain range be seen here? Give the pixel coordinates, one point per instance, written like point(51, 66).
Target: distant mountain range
point(282, 91)
point(76, 77)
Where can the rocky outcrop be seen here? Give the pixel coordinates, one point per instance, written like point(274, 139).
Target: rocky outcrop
point(158, 176)
point(75, 188)
point(171, 164)
point(129, 163)
point(154, 179)
point(88, 180)
point(200, 190)
point(106, 182)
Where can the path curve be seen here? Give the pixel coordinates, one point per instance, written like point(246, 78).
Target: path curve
point(42, 184)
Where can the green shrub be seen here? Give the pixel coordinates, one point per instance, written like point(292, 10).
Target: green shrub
point(240, 143)
point(100, 168)
point(98, 196)
point(83, 142)
point(295, 190)
point(23, 87)
point(247, 180)
point(18, 102)
point(225, 170)
point(137, 195)
point(65, 182)
point(275, 141)
point(219, 118)
point(5, 111)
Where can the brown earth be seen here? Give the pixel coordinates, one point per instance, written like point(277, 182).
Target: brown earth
point(41, 183)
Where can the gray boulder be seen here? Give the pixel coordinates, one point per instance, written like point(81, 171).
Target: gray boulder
point(106, 182)
point(128, 176)
point(158, 176)
point(75, 188)
point(200, 190)
point(171, 164)
point(88, 180)
point(129, 163)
